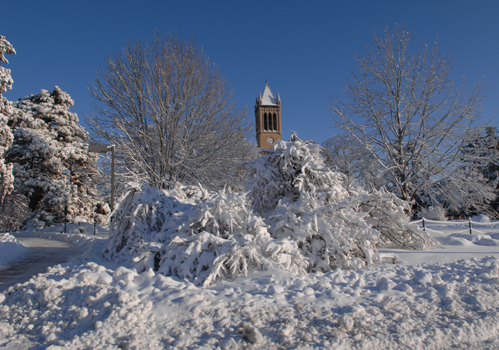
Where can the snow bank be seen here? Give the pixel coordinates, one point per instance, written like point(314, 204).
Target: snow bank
point(430, 306)
point(93, 305)
point(76, 307)
point(10, 248)
point(81, 234)
point(481, 218)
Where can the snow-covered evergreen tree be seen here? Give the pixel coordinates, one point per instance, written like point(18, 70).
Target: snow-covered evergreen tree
point(14, 211)
point(473, 190)
point(6, 137)
point(50, 153)
point(482, 155)
point(491, 170)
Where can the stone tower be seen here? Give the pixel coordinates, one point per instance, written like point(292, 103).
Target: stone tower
point(267, 118)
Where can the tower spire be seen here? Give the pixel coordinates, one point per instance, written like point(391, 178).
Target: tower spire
point(268, 118)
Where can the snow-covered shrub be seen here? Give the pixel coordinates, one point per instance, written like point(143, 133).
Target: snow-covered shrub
point(387, 213)
point(193, 234)
point(433, 213)
point(303, 200)
point(6, 137)
point(297, 216)
point(290, 170)
point(52, 164)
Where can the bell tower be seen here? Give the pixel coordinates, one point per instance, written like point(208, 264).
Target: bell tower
point(267, 118)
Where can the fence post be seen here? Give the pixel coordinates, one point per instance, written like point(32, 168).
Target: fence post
point(469, 223)
point(65, 218)
point(424, 227)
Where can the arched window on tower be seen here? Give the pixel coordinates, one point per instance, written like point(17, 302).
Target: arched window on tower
point(270, 121)
point(274, 124)
point(265, 122)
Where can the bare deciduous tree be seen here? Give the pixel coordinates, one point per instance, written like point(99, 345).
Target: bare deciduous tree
point(345, 154)
point(171, 114)
point(404, 107)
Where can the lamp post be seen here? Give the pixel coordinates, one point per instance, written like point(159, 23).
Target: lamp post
point(105, 149)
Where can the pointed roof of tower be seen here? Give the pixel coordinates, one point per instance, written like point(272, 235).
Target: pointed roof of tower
point(268, 98)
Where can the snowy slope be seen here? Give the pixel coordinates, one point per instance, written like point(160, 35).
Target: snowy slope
point(425, 302)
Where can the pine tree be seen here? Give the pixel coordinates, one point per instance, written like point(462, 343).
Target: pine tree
point(491, 170)
point(52, 164)
point(480, 161)
point(6, 137)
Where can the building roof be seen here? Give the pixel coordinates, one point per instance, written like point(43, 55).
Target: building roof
point(267, 98)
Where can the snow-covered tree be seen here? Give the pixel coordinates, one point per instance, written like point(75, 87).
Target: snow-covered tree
point(459, 198)
point(50, 152)
point(433, 213)
point(343, 153)
point(491, 169)
point(195, 234)
point(172, 116)
point(14, 211)
point(405, 109)
point(479, 161)
point(303, 200)
point(6, 137)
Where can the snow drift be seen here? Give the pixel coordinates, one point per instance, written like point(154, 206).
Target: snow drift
point(10, 248)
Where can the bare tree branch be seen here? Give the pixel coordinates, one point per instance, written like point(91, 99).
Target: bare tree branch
point(171, 114)
point(405, 109)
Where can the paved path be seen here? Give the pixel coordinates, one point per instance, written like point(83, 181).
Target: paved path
point(42, 253)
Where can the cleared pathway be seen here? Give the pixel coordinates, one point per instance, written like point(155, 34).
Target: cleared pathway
point(42, 253)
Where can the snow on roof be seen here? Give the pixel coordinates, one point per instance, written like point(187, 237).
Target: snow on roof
point(268, 98)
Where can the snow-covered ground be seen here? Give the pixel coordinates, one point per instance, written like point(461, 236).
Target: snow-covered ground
point(439, 299)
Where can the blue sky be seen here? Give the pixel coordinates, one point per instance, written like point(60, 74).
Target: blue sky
point(304, 48)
